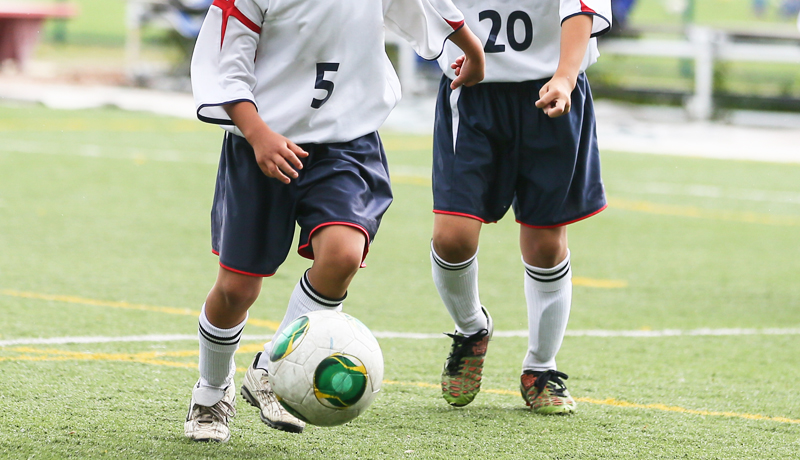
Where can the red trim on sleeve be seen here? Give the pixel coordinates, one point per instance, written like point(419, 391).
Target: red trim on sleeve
point(455, 25)
point(586, 9)
point(229, 9)
point(305, 250)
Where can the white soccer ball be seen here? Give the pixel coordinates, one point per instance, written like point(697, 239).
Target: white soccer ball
point(326, 368)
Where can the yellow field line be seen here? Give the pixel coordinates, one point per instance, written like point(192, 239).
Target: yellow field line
point(661, 209)
point(595, 283)
point(124, 305)
point(617, 403)
point(156, 358)
point(694, 212)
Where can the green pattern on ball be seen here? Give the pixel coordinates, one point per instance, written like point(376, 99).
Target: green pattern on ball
point(340, 381)
point(289, 339)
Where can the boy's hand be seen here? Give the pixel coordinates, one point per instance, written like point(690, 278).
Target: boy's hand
point(555, 97)
point(468, 72)
point(277, 156)
point(470, 66)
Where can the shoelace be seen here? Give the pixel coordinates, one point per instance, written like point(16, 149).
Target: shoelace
point(460, 343)
point(219, 411)
point(265, 384)
point(552, 379)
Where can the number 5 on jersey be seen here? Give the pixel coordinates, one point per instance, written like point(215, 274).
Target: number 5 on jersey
point(322, 83)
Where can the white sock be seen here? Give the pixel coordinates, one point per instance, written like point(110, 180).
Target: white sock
point(304, 299)
point(548, 292)
point(217, 347)
point(458, 287)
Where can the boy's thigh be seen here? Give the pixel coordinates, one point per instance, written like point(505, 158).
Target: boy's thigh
point(253, 216)
point(343, 183)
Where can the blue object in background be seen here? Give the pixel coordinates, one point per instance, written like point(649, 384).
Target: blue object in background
point(620, 9)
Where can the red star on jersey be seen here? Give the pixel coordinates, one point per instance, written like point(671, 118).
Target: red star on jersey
point(229, 9)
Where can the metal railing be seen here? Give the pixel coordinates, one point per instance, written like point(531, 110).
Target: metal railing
point(705, 46)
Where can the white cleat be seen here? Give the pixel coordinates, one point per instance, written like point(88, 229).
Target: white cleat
point(258, 392)
point(204, 423)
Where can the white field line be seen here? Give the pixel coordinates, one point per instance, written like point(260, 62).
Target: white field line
point(399, 171)
point(703, 332)
point(705, 191)
point(98, 151)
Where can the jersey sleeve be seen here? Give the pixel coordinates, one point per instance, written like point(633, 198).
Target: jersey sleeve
point(223, 62)
point(600, 10)
point(425, 24)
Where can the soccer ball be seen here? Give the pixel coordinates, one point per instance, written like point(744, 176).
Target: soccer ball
point(326, 368)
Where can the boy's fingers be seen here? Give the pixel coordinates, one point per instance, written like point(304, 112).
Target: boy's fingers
point(297, 150)
point(558, 108)
point(273, 171)
point(544, 89)
point(274, 168)
point(545, 100)
point(284, 165)
point(290, 155)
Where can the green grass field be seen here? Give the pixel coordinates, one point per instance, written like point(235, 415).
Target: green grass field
point(104, 230)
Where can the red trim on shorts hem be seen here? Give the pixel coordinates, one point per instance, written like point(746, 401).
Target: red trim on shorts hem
point(564, 223)
point(304, 252)
point(215, 252)
point(462, 214)
point(243, 272)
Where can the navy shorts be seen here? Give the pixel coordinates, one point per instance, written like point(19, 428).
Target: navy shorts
point(254, 216)
point(494, 149)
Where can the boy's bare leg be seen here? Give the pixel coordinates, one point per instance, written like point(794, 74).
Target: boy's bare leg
point(338, 251)
point(454, 265)
point(543, 247)
point(455, 238)
point(548, 292)
point(230, 298)
point(221, 323)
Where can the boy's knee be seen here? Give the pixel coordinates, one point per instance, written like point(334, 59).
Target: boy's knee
point(547, 252)
point(239, 291)
point(340, 260)
point(453, 247)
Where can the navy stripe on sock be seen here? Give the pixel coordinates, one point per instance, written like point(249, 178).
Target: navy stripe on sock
point(452, 267)
point(548, 277)
point(221, 340)
point(316, 296)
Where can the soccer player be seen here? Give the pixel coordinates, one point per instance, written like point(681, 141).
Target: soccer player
point(524, 137)
point(301, 87)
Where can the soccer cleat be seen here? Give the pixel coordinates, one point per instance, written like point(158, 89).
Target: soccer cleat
point(205, 423)
point(463, 369)
point(545, 392)
point(257, 390)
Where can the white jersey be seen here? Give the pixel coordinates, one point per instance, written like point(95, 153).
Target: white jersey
point(316, 70)
point(522, 39)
